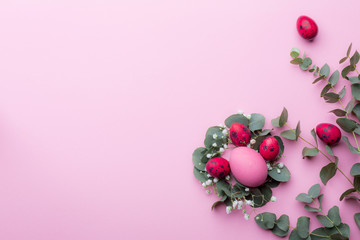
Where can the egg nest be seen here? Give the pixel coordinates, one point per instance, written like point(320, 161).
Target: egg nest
point(230, 189)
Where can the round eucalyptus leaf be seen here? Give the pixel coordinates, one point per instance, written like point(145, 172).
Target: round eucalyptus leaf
point(355, 170)
point(314, 191)
point(334, 78)
point(303, 197)
point(295, 52)
point(334, 215)
point(325, 221)
point(257, 122)
point(325, 70)
point(328, 172)
point(282, 176)
point(265, 220)
point(309, 152)
point(236, 118)
point(355, 90)
point(357, 219)
point(201, 176)
point(198, 154)
point(346, 124)
point(283, 222)
point(278, 232)
point(302, 227)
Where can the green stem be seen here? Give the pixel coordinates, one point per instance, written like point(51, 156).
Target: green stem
point(326, 156)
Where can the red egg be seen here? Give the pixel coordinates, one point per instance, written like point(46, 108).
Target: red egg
point(328, 133)
point(306, 27)
point(218, 167)
point(269, 148)
point(240, 135)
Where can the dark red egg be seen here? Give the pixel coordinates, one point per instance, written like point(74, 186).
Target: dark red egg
point(306, 27)
point(218, 167)
point(328, 133)
point(269, 149)
point(240, 135)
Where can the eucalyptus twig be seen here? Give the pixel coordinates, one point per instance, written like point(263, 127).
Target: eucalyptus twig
point(320, 151)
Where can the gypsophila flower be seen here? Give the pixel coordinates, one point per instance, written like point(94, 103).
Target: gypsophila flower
point(221, 125)
point(214, 145)
point(225, 131)
point(247, 189)
point(273, 199)
point(240, 112)
point(248, 116)
point(204, 185)
point(221, 150)
point(208, 155)
point(270, 168)
point(281, 165)
point(225, 146)
point(215, 136)
point(240, 204)
point(208, 182)
point(268, 165)
point(246, 216)
point(249, 202)
point(248, 145)
point(227, 177)
point(278, 170)
point(205, 170)
point(208, 191)
point(208, 175)
point(216, 180)
point(228, 209)
point(252, 141)
point(234, 204)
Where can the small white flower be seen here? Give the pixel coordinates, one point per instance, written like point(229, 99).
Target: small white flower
point(240, 112)
point(273, 199)
point(248, 145)
point(208, 175)
point(281, 165)
point(208, 182)
point(240, 204)
point(246, 216)
point(215, 136)
point(221, 150)
point(208, 191)
point(235, 203)
point(225, 146)
point(225, 131)
point(227, 177)
point(278, 170)
point(216, 180)
point(249, 202)
point(252, 141)
point(228, 209)
point(205, 170)
point(268, 165)
point(214, 145)
point(247, 189)
point(221, 125)
point(248, 116)
point(204, 185)
point(270, 168)
point(208, 155)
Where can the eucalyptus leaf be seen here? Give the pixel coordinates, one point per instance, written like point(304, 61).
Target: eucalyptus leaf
point(342, 92)
point(355, 170)
point(342, 60)
point(325, 70)
point(356, 111)
point(350, 106)
point(297, 131)
point(314, 191)
point(303, 197)
point(302, 227)
point(349, 50)
point(289, 134)
point(309, 152)
point(328, 172)
point(278, 232)
point(325, 221)
point(338, 236)
point(325, 89)
point(283, 117)
point(314, 136)
point(353, 79)
point(355, 90)
point(217, 203)
point(338, 112)
point(346, 124)
point(331, 97)
point(295, 52)
point(294, 235)
point(318, 79)
point(283, 222)
point(223, 187)
point(350, 147)
point(200, 175)
point(334, 78)
point(282, 148)
point(257, 122)
point(355, 58)
point(329, 150)
point(357, 219)
point(347, 70)
point(239, 118)
point(305, 63)
point(311, 209)
point(265, 220)
point(296, 61)
point(319, 234)
point(283, 176)
point(347, 192)
point(334, 215)
point(196, 158)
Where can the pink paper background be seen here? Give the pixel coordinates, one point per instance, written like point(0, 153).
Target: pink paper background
point(103, 102)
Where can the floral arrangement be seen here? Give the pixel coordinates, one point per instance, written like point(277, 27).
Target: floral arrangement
point(245, 180)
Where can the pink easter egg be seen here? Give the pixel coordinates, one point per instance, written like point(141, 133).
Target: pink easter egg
point(248, 166)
